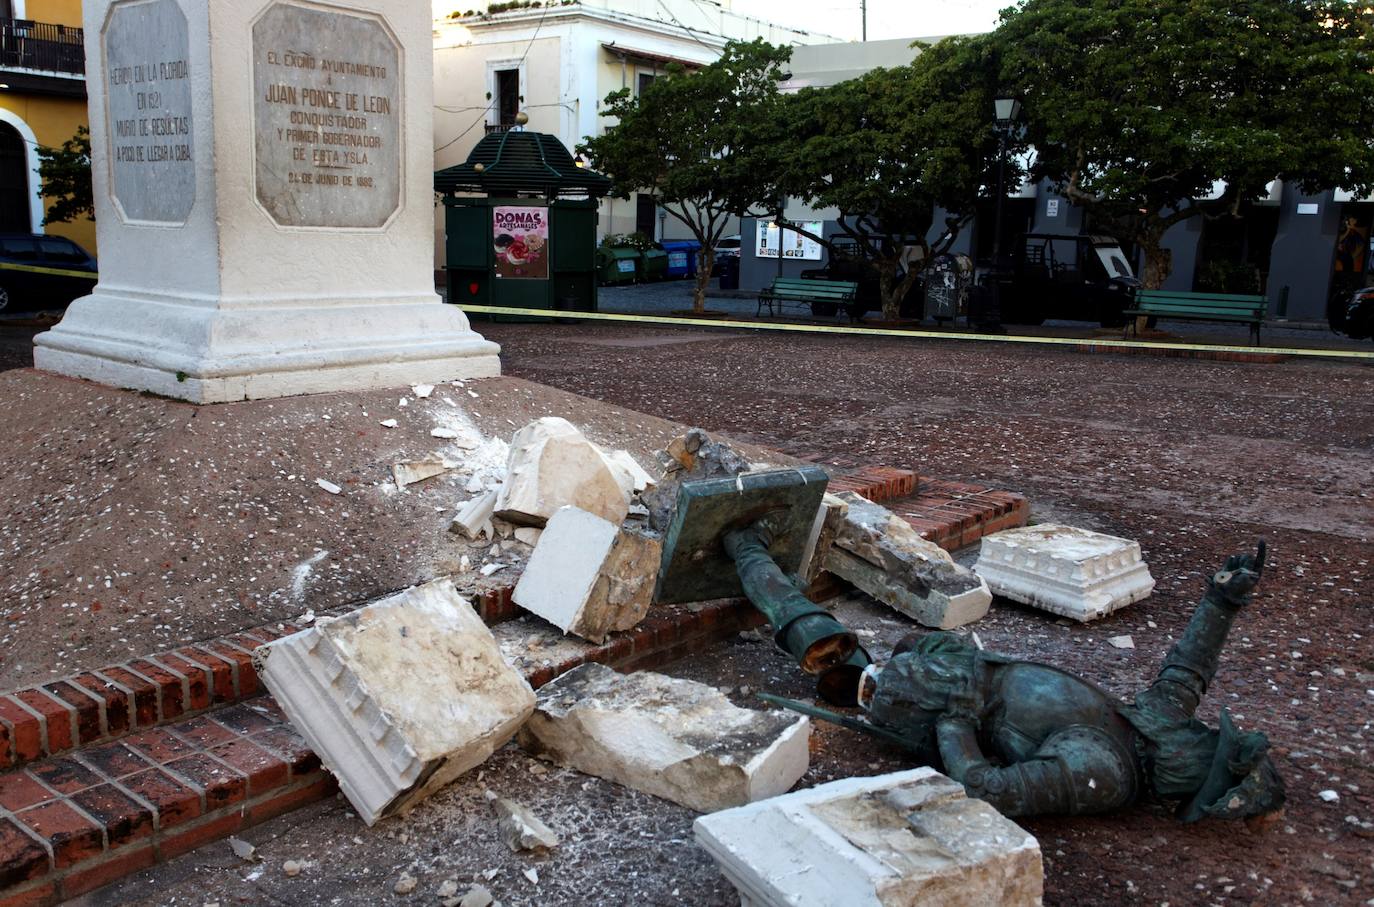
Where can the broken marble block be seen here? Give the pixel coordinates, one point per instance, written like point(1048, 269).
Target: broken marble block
point(474, 517)
point(398, 698)
point(408, 472)
point(676, 739)
point(911, 838)
point(829, 518)
point(588, 576)
point(551, 465)
point(884, 556)
point(1076, 573)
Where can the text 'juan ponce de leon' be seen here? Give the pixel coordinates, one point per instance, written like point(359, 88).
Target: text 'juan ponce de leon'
point(332, 122)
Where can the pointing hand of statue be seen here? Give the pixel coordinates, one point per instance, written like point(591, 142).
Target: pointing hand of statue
point(1240, 575)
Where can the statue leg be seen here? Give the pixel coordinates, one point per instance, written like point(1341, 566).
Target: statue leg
point(802, 628)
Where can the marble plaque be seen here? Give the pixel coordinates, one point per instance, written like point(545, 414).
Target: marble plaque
point(146, 48)
point(327, 117)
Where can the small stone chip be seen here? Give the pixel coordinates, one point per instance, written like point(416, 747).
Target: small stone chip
point(405, 884)
point(1121, 642)
point(389, 423)
point(448, 889)
point(477, 896)
point(242, 849)
point(329, 486)
point(292, 868)
point(1330, 796)
point(532, 875)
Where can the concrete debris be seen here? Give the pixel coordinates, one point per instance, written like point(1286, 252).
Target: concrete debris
point(408, 472)
point(329, 486)
point(477, 896)
point(633, 477)
point(552, 465)
point(405, 884)
point(829, 519)
point(532, 874)
point(422, 390)
point(474, 485)
point(1073, 572)
point(291, 868)
point(349, 686)
point(529, 535)
point(910, 838)
point(522, 829)
point(242, 849)
point(448, 888)
point(588, 576)
point(473, 519)
point(444, 434)
point(884, 556)
point(1121, 642)
point(489, 569)
point(1329, 796)
point(676, 739)
point(688, 458)
point(389, 423)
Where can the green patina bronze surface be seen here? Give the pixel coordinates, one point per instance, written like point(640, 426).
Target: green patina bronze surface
point(1033, 739)
point(746, 535)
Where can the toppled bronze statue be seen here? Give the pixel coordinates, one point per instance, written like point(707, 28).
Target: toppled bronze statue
point(1032, 739)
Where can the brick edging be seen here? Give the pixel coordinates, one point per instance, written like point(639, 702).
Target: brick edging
point(112, 702)
point(74, 823)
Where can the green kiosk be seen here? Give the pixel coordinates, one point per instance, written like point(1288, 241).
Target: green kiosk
point(528, 240)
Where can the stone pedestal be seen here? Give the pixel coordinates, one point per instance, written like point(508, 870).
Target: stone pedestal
point(262, 176)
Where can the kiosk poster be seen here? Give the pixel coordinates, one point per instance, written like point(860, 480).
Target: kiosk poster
point(520, 237)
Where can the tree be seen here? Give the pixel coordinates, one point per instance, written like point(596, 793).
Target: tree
point(892, 148)
point(1138, 109)
point(66, 175)
point(699, 141)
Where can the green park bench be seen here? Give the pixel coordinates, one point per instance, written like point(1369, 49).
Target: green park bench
point(1227, 307)
point(823, 297)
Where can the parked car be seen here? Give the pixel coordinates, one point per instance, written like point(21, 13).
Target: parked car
point(1353, 316)
point(27, 263)
point(1073, 277)
point(728, 247)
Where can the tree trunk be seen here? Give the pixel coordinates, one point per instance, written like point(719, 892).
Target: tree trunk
point(705, 261)
point(890, 289)
point(1159, 261)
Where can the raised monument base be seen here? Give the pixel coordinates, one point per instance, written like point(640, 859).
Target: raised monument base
point(205, 354)
point(263, 233)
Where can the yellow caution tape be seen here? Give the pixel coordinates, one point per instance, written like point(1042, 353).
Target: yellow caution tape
point(56, 272)
point(1105, 345)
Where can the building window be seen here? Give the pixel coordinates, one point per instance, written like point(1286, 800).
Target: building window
point(645, 80)
point(507, 96)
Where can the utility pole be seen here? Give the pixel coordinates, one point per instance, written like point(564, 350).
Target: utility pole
point(863, 14)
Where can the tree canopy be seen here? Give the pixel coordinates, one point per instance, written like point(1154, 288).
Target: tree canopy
point(893, 147)
point(66, 176)
point(1137, 109)
point(699, 141)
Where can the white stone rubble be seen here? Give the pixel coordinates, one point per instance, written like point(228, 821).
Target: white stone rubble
point(886, 557)
point(474, 517)
point(910, 838)
point(588, 576)
point(676, 739)
point(408, 472)
point(552, 465)
point(398, 698)
point(1068, 571)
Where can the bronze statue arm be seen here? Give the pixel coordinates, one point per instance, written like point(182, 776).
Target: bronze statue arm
point(1077, 770)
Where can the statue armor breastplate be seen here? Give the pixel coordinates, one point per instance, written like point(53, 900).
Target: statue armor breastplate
point(1028, 702)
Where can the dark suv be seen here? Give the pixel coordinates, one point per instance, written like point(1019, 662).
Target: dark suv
point(42, 272)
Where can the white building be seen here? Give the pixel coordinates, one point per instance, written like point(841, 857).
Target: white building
point(558, 62)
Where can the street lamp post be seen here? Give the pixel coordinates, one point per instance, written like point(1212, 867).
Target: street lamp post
point(1006, 111)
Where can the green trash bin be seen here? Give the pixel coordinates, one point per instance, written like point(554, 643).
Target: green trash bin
point(655, 264)
point(617, 265)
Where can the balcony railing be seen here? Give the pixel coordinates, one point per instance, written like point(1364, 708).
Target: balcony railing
point(499, 127)
point(25, 44)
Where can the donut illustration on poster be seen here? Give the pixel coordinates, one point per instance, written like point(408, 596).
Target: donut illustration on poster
point(520, 237)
